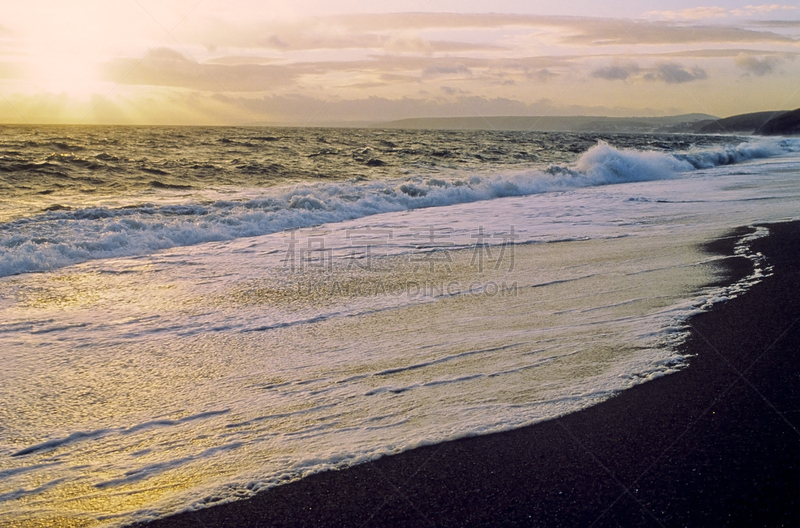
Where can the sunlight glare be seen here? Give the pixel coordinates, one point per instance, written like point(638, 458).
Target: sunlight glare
point(67, 73)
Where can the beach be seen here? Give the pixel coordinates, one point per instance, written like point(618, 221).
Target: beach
point(374, 347)
point(715, 444)
point(352, 264)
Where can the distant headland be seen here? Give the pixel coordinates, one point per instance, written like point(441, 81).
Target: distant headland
point(679, 123)
point(766, 123)
point(785, 124)
point(780, 122)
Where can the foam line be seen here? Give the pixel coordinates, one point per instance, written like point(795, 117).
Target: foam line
point(68, 236)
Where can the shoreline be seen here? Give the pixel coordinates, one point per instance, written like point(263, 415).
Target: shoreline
point(715, 444)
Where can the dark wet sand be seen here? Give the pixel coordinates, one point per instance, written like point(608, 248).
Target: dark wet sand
point(717, 444)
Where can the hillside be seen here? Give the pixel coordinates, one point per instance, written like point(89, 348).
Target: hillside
point(741, 124)
point(786, 124)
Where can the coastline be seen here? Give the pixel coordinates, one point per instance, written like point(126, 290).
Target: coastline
point(716, 444)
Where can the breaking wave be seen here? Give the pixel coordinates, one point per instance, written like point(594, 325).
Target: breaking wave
point(64, 236)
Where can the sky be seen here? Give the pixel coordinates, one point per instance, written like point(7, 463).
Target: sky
point(304, 62)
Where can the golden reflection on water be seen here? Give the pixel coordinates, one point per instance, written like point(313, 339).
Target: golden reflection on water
point(567, 316)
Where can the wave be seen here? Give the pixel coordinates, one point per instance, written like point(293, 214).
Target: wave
point(80, 436)
point(62, 236)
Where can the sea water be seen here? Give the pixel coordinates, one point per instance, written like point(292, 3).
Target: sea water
point(191, 315)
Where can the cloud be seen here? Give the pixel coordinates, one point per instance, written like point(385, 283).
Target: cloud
point(170, 68)
point(442, 65)
point(403, 67)
point(276, 42)
point(425, 21)
point(397, 79)
point(618, 72)
point(166, 67)
point(599, 32)
point(433, 72)
point(755, 65)
point(542, 75)
point(241, 60)
point(728, 52)
point(706, 12)
point(777, 23)
point(751, 10)
point(694, 13)
point(668, 72)
point(389, 32)
point(449, 90)
point(672, 73)
point(462, 67)
point(464, 32)
point(451, 55)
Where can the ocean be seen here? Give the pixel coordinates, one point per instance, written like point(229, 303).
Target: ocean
point(191, 315)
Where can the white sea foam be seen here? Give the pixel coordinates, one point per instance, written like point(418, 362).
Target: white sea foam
point(64, 237)
point(141, 384)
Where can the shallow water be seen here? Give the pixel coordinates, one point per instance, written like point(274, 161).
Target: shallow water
point(142, 380)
